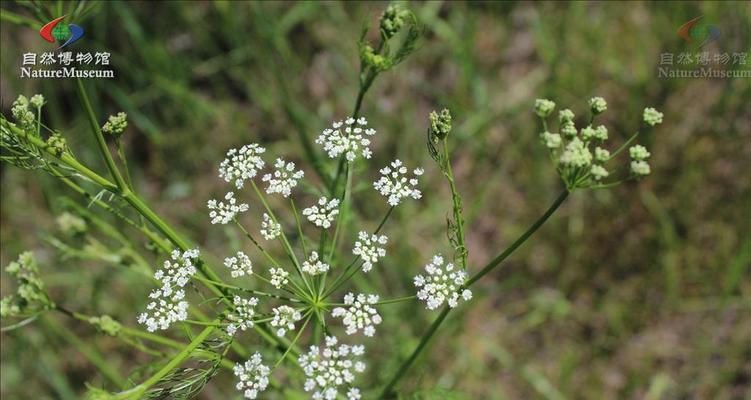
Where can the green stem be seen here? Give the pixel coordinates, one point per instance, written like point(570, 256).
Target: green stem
point(299, 227)
point(489, 267)
point(624, 145)
point(456, 201)
point(99, 137)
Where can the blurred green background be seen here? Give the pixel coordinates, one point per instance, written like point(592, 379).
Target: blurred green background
point(640, 292)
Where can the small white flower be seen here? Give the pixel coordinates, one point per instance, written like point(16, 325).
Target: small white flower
point(241, 165)
point(279, 277)
point(284, 319)
point(331, 367)
point(242, 317)
point(254, 377)
point(358, 314)
point(370, 249)
point(239, 264)
point(395, 184)
point(323, 214)
point(284, 179)
point(441, 284)
point(313, 265)
point(348, 138)
point(354, 394)
point(164, 311)
point(223, 213)
point(270, 229)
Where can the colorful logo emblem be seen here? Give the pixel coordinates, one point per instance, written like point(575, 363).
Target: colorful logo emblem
point(694, 30)
point(57, 30)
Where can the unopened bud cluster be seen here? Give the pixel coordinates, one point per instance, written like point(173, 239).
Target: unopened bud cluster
point(580, 154)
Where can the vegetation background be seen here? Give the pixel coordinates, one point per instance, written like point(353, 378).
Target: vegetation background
point(640, 292)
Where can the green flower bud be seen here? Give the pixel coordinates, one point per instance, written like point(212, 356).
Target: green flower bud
point(21, 113)
point(598, 172)
point(568, 129)
point(588, 133)
point(601, 133)
point(638, 152)
point(57, 143)
point(106, 325)
point(551, 140)
point(598, 105)
point(440, 124)
point(392, 20)
point(652, 117)
point(37, 101)
point(116, 124)
point(70, 224)
point(601, 154)
point(544, 107)
point(565, 116)
point(576, 154)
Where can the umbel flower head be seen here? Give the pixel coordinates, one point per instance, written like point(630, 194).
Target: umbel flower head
point(313, 265)
point(116, 124)
point(253, 375)
point(284, 319)
point(242, 317)
point(392, 20)
point(168, 303)
point(270, 230)
point(370, 249)
point(223, 212)
point(572, 149)
point(239, 265)
point(284, 179)
point(441, 284)
point(243, 164)
point(395, 185)
point(331, 367)
point(31, 296)
point(358, 314)
point(348, 137)
point(323, 214)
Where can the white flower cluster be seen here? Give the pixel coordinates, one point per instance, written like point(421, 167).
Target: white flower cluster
point(284, 319)
point(441, 284)
point(253, 375)
point(223, 213)
point(395, 184)
point(323, 214)
point(598, 105)
point(369, 248)
point(284, 179)
point(313, 265)
point(348, 138)
point(330, 368)
point(242, 317)
point(239, 265)
point(358, 314)
point(168, 303)
point(279, 277)
point(270, 229)
point(243, 164)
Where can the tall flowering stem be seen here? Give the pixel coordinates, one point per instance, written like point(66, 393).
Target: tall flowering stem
point(489, 267)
